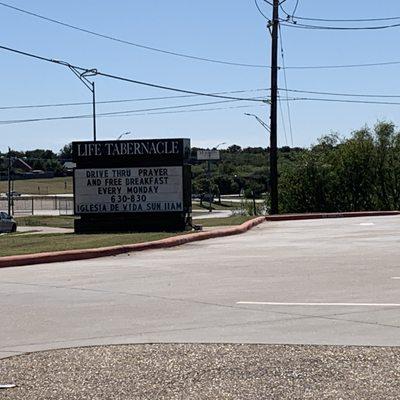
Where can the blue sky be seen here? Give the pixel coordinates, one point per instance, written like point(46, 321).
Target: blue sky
point(229, 30)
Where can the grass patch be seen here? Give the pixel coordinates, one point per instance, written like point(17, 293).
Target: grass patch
point(59, 185)
point(234, 220)
point(51, 221)
point(14, 244)
point(17, 244)
point(68, 221)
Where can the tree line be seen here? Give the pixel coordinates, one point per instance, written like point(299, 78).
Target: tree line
point(359, 173)
point(356, 173)
point(38, 159)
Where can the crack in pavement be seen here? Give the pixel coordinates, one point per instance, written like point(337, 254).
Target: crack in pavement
point(293, 316)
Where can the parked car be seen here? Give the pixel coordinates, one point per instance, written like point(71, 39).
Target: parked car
point(7, 223)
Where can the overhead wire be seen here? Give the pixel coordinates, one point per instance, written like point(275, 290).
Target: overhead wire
point(190, 93)
point(124, 114)
point(30, 106)
point(124, 79)
point(338, 66)
point(10, 122)
point(294, 24)
point(299, 67)
point(285, 81)
point(294, 10)
point(121, 112)
point(127, 42)
point(260, 11)
point(341, 101)
point(339, 93)
point(293, 16)
point(157, 86)
point(268, 2)
point(197, 110)
point(334, 66)
point(283, 120)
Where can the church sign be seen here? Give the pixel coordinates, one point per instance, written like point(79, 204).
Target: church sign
point(132, 185)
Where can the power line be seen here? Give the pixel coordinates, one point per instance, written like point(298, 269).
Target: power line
point(340, 94)
point(32, 106)
point(121, 78)
point(338, 66)
point(260, 11)
point(285, 80)
point(198, 110)
point(293, 16)
point(281, 89)
point(294, 10)
point(268, 2)
point(294, 24)
point(127, 113)
point(119, 112)
point(341, 101)
point(157, 86)
point(127, 42)
point(167, 107)
point(283, 120)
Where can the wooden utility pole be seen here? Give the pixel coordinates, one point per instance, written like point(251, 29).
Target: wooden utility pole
point(273, 152)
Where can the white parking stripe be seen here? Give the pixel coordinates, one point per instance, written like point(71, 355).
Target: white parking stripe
point(269, 303)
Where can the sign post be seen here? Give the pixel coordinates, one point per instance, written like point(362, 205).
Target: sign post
point(208, 155)
point(132, 185)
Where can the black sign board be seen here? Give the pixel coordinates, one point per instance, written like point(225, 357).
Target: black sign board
point(132, 185)
point(131, 152)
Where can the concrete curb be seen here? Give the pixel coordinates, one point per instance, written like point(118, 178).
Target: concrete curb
point(293, 217)
point(84, 254)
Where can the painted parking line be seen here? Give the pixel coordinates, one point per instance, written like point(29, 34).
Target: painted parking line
point(270, 303)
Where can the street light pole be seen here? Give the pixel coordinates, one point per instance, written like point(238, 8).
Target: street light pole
point(209, 185)
point(82, 76)
point(209, 176)
point(94, 111)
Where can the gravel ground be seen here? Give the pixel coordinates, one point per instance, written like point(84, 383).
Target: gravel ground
point(201, 371)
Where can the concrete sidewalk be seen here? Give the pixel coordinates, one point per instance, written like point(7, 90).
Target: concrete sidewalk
point(31, 230)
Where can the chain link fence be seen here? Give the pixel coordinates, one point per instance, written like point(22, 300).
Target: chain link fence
point(39, 205)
